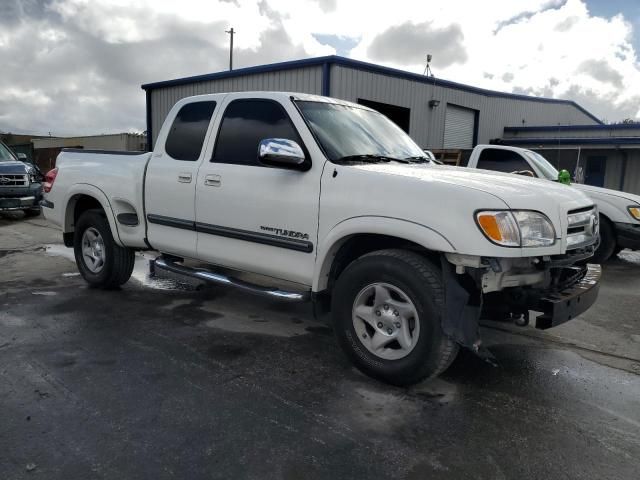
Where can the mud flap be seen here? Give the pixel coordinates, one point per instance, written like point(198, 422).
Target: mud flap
point(460, 321)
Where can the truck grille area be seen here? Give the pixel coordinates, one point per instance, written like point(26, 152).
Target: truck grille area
point(583, 227)
point(13, 180)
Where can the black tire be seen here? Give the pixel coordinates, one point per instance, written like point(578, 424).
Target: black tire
point(608, 242)
point(421, 281)
point(32, 212)
point(118, 261)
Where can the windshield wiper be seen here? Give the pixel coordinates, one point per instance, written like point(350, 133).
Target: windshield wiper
point(418, 159)
point(371, 158)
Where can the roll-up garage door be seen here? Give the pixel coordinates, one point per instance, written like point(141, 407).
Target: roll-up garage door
point(459, 126)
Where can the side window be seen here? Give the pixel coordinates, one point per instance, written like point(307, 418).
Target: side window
point(189, 128)
point(245, 124)
point(500, 160)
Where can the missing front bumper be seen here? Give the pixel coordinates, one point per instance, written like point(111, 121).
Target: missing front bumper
point(560, 307)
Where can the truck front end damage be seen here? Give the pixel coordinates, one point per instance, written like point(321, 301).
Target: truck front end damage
point(556, 288)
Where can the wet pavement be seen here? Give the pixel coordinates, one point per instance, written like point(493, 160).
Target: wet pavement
point(171, 379)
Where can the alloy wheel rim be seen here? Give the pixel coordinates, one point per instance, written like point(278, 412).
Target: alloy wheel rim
point(385, 321)
point(93, 252)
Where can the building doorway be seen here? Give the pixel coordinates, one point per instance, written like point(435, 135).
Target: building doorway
point(398, 115)
point(594, 174)
point(460, 127)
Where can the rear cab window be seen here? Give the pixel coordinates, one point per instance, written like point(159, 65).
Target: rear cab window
point(188, 131)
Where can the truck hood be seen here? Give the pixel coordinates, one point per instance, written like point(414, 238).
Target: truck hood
point(517, 192)
point(14, 167)
point(596, 192)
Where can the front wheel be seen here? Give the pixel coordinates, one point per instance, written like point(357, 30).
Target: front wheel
point(387, 312)
point(101, 262)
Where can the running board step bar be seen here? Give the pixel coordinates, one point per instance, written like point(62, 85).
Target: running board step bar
point(165, 263)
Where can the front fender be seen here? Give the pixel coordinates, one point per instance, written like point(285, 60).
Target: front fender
point(370, 224)
point(615, 209)
point(75, 192)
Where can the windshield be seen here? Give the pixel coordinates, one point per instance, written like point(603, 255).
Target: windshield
point(5, 154)
point(548, 171)
point(346, 131)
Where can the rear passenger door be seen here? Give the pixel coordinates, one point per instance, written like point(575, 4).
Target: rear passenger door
point(170, 181)
point(249, 216)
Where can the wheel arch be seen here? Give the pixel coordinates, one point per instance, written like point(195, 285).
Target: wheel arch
point(612, 208)
point(86, 197)
point(612, 226)
point(355, 237)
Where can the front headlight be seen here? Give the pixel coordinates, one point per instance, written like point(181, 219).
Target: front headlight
point(516, 228)
point(635, 212)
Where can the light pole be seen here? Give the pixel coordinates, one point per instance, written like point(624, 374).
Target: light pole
point(231, 33)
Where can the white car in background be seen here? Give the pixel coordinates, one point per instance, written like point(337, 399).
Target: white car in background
point(619, 211)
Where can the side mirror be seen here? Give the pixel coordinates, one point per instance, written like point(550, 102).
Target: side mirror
point(280, 152)
point(22, 157)
point(564, 177)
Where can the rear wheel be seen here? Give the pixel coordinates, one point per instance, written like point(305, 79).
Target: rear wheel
point(101, 262)
point(608, 242)
point(387, 312)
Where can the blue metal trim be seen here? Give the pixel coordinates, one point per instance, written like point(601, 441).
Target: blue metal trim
point(572, 141)
point(564, 128)
point(359, 65)
point(239, 72)
point(149, 122)
point(326, 79)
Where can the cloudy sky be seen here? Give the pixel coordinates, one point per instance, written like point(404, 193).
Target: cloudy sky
point(76, 66)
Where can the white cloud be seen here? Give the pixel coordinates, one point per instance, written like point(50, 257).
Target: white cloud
point(75, 66)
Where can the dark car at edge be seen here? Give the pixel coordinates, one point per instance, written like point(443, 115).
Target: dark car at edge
point(20, 183)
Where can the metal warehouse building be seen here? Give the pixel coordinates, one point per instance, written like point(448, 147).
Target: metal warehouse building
point(437, 113)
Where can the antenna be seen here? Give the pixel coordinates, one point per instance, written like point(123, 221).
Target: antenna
point(231, 32)
point(427, 69)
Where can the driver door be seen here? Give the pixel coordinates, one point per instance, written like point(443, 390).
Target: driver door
point(253, 217)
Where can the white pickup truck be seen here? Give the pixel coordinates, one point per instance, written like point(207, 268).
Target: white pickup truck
point(333, 203)
point(619, 211)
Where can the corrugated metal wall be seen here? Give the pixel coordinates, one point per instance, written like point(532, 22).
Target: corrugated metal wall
point(632, 172)
point(117, 141)
point(307, 80)
point(427, 124)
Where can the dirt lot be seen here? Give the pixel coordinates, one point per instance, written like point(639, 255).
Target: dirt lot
point(165, 379)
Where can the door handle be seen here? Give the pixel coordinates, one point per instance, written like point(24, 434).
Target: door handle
point(184, 177)
point(213, 180)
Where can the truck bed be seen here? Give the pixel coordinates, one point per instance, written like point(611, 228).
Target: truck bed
point(116, 178)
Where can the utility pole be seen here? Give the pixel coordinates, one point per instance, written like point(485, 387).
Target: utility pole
point(231, 32)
